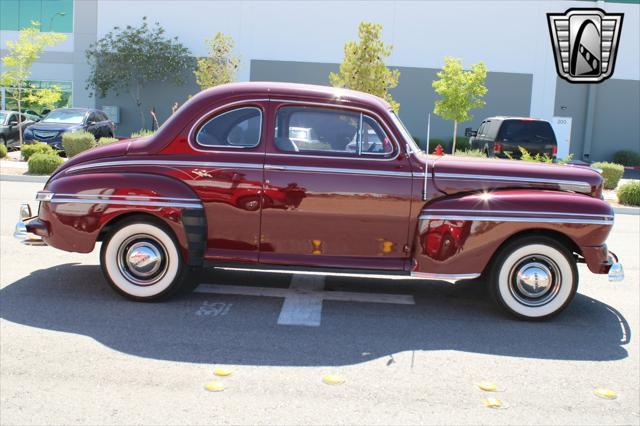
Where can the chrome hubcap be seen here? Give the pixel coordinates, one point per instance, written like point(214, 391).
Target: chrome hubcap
point(535, 280)
point(142, 259)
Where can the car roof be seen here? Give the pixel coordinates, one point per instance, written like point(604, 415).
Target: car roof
point(294, 90)
point(512, 117)
point(75, 109)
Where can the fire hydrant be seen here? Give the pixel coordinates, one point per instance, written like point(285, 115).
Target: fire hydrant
point(439, 150)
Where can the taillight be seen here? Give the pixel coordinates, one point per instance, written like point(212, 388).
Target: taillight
point(497, 147)
point(555, 150)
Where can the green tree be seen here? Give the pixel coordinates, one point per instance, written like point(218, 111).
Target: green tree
point(460, 91)
point(363, 65)
point(46, 98)
point(220, 66)
point(22, 53)
point(126, 59)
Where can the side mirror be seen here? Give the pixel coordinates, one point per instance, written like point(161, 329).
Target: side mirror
point(468, 132)
point(91, 123)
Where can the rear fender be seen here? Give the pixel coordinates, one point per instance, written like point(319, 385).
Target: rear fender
point(458, 235)
point(84, 205)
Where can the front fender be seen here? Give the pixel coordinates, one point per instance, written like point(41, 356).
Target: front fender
point(459, 234)
point(82, 205)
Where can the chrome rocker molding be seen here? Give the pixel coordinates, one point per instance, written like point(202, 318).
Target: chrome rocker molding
point(444, 277)
point(563, 184)
point(518, 219)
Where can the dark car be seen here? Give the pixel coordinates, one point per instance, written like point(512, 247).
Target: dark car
point(51, 128)
point(10, 123)
point(502, 137)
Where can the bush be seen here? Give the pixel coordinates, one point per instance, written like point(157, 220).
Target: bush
point(629, 193)
point(76, 142)
point(141, 133)
point(470, 153)
point(44, 164)
point(611, 173)
point(35, 148)
point(107, 141)
point(3, 150)
point(462, 143)
point(627, 158)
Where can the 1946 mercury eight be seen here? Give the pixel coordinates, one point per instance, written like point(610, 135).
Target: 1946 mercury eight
point(318, 177)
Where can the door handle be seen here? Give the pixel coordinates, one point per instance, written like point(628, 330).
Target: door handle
point(274, 167)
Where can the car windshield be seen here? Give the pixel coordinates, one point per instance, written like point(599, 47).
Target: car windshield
point(64, 116)
point(3, 116)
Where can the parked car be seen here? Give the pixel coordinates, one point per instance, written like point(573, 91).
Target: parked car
point(10, 123)
point(51, 128)
point(502, 137)
point(222, 182)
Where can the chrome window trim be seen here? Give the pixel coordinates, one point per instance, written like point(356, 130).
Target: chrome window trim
point(210, 113)
point(214, 117)
point(165, 163)
point(336, 170)
point(379, 119)
point(517, 219)
point(126, 202)
point(125, 197)
point(608, 216)
point(575, 183)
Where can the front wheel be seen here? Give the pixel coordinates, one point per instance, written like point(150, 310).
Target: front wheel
point(141, 260)
point(533, 278)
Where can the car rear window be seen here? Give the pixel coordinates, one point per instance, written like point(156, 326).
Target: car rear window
point(527, 131)
point(237, 128)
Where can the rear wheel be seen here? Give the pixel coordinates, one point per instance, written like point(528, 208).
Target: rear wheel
point(141, 260)
point(533, 278)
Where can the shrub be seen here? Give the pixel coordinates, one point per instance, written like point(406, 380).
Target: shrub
point(76, 142)
point(470, 153)
point(141, 133)
point(35, 148)
point(107, 141)
point(629, 193)
point(44, 164)
point(627, 158)
point(462, 143)
point(611, 173)
point(3, 150)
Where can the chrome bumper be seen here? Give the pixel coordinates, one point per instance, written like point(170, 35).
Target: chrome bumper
point(21, 233)
point(616, 272)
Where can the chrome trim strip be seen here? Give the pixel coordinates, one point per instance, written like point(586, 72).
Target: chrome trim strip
point(517, 219)
point(126, 203)
point(197, 142)
point(608, 216)
point(209, 114)
point(165, 163)
point(579, 184)
point(445, 277)
point(127, 197)
point(337, 170)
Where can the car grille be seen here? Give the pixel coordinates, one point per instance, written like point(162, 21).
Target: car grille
point(45, 134)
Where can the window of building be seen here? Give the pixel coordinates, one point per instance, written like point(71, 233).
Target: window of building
point(53, 15)
point(8, 102)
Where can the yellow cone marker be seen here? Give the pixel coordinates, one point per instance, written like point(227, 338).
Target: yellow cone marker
point(488, 386)
point(605, 393)
point(333, 379)
point(492, 403)
point(222, 372)
point(214, 386)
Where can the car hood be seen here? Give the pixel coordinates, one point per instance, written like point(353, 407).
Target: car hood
point(463, 174)
point(54, 126)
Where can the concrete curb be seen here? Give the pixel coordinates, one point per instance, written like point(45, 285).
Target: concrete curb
point(24, 178)
point(634, 211)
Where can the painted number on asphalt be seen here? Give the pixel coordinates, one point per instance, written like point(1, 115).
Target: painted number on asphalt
point(213, 309)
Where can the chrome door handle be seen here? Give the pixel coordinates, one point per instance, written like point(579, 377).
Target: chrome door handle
point(273, 167)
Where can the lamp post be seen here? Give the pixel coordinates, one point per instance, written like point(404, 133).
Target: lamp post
point(53, 17)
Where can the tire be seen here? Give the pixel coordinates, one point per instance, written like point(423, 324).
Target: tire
point(517, 278)
point(144, 281)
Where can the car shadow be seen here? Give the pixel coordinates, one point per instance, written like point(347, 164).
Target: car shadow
point(211, 328)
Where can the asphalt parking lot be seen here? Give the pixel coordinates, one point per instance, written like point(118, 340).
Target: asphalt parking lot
point(410, 351)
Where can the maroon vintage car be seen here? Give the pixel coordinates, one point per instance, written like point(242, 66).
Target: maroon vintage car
point(230, 180)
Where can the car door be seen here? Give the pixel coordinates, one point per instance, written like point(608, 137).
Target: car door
point(337, 197)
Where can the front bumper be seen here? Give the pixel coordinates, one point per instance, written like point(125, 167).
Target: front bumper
point(29, 230)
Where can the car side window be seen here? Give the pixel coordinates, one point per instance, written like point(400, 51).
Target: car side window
point(481, 129)
point(237, 128)
point(328, 131)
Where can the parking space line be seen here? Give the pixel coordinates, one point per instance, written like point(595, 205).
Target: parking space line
point(303, 299)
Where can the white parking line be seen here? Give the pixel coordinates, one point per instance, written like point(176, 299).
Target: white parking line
point(303, 299)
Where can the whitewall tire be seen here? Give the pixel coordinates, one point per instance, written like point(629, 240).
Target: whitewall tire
point(534, 278)
point(141, 260)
